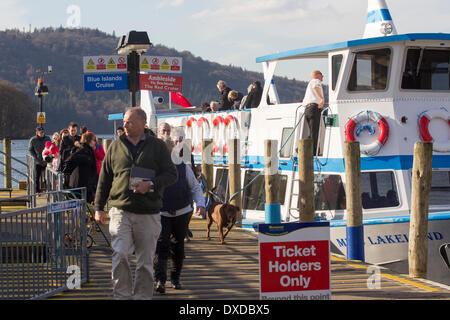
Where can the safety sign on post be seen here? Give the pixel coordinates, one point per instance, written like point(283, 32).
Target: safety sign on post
point(161, 64)
point(40, 117)
point(294, 261)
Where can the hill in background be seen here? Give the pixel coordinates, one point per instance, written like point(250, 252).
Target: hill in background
point(17, 116)
point(23, 54)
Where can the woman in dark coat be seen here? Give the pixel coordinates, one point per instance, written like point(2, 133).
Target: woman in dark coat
point(254, 97)
point(82, 166)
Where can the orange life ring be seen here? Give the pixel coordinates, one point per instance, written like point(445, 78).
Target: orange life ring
point(368, 116)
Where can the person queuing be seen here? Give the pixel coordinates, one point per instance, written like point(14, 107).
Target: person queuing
point(35, 147)
point(135, 221)
point(175, 215)
point(67, 143)
point(81, 166)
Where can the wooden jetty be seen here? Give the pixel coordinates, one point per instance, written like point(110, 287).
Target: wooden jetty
point(230, 271)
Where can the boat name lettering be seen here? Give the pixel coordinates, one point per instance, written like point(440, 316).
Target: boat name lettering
point(390, 239)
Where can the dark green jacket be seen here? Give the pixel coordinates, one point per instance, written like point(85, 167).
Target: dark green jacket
point(114, 177)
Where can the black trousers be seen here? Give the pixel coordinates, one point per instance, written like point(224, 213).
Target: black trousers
point(171, 242)
point(312, 118)
point(38, 173)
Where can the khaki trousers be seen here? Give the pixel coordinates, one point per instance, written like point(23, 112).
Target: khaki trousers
point(139, 232)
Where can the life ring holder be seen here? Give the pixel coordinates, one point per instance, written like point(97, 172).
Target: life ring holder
point(368, 116)
point(217, 133)
point(231, 125)
point(424, 121)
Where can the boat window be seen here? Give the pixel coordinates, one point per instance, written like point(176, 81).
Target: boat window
point(329, 192)
point(254, 196)
point(370, 70)
point(221, 184)
point(427, 69)
point(336, 63)
point(378, 190)
point(440, 188)
point(286, 142)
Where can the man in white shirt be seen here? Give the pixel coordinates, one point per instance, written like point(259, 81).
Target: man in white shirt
point(314, 102)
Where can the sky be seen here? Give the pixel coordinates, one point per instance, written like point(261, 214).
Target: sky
point(230, 32)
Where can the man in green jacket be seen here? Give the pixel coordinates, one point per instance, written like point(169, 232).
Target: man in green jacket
point(134, 217)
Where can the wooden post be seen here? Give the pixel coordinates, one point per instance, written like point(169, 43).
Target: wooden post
point(355, 230)
point(234, 174)
point(106, 144)
point(272, 181)
point(207, 162)
point(306, 180)
point(418, 227)
point(7, 162)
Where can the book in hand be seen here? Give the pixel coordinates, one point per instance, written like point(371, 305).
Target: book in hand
point(139, 174)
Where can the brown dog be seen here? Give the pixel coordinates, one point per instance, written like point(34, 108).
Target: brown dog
point(224, 215)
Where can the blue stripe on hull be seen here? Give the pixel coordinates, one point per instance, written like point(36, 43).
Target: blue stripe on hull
point(403, 162)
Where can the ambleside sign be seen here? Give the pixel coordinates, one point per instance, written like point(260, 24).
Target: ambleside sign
point(295, 261)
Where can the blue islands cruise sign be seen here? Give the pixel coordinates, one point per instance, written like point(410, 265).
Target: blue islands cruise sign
point(105, 81)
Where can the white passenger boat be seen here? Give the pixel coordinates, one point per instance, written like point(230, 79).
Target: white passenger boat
point(387, 91)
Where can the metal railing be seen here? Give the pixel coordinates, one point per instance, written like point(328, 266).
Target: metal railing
point(43, 249)
point(4, 172)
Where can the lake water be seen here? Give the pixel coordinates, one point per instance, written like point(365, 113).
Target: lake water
point(19, 150)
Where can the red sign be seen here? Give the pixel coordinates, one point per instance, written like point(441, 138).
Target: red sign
point(166, 83)
point(294, 261)
point(294, 266)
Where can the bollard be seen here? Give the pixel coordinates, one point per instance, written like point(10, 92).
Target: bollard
point(306, 180)
point(207, 163)
point(272, 206)
point(234, 173)
point(355, 229)
point(106, 144)
point(7, 162)
point(418, 227)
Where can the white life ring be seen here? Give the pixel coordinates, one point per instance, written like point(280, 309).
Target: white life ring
point(203, 132)
point(191, 131)
point(231, 130)
point(424, 121)
point(217, 134)
point(368, 116)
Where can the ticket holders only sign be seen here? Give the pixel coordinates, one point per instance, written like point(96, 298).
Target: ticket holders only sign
point(294, 261)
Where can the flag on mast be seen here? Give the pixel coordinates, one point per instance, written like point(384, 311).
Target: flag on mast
point(178, 98)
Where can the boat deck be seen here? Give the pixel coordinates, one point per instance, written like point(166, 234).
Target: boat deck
point(230, 271)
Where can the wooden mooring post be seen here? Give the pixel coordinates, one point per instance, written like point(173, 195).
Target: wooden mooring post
point(306, 180)
point(418, 227)
point(7, 162)
point(207, 163)
point(355, 229)
point(234, 173)
point(272, 181)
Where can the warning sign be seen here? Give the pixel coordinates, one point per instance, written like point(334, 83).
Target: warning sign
point(40, 117)
point(106, 64)
point(161, 64)
point(295, 261)
point(111, 64)
point(145, 65)
point(90, 65)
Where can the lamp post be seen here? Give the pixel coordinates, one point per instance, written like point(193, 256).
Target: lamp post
point(41, 90)
point(133, 45)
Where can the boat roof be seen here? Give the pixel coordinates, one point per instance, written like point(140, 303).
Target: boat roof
point(322, 51)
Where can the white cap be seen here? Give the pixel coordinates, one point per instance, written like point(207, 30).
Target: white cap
point(379, 21)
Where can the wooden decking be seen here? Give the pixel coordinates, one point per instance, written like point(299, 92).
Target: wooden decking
point(230, 271)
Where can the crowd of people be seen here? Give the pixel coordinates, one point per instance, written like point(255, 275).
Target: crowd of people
point(78, 157)
point(230, 99)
